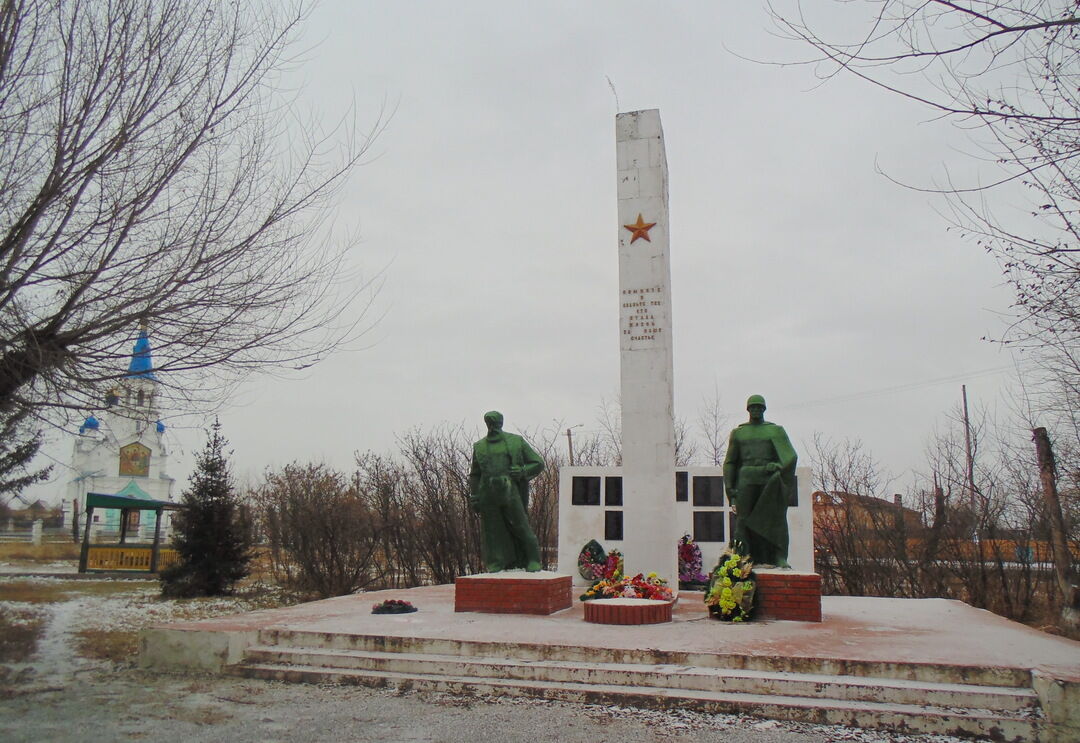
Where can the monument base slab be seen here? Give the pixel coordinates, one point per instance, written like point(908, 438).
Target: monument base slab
point(514, 592)
point(787, 594)
point(628, 611)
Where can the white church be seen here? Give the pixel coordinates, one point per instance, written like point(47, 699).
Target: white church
point(122, 451)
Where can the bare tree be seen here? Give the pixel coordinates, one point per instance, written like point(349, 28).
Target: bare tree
point(436, 488)
point(980, 538)
point(609, 416)
point(379, 479)
point(1009, 72)
point(151, 173)
point(860, 541)
point(686, 447)
point(714, 425)
point(989, 533)
point(322, 537)
point(605, 448)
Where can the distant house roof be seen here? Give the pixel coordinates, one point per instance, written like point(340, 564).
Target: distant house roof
point(37, 505)
point(837, 498)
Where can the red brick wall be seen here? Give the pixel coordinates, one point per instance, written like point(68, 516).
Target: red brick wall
point(793, 596)
point(604, 612)
point(523, 595)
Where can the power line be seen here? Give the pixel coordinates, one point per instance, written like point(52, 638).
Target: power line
point(865, 394)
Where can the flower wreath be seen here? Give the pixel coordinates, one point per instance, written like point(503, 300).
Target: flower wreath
point(594, 565)
point(393, 606)
point(690, 575)
point(730, 594)
point(591, 561)
point(649, 586)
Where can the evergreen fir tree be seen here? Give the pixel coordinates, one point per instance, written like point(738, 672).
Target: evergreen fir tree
point(18, 447)
point(213, 532)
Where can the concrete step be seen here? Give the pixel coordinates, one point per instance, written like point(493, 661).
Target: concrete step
point(908, 718)
point(922, 672)
point(688, 678)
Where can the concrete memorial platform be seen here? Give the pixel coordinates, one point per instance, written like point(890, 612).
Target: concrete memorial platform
point(926, 665)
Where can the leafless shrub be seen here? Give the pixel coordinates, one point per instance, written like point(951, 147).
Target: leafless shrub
point(436, 486)
point(979, 537)
point(321, 534)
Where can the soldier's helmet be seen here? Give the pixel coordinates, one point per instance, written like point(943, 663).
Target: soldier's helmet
point(755, 400)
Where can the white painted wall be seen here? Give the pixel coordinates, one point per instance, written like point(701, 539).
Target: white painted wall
point(579, 524)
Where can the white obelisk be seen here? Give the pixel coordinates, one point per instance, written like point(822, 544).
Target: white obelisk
point(650, 530)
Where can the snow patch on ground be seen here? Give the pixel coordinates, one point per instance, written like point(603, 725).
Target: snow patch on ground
point(61, 566)
point(56, 661)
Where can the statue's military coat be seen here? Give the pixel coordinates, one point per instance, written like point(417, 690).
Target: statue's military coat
point(488, 458)
point(502, 500)
point(761, 498)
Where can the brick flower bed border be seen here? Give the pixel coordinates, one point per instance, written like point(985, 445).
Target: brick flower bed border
point(628, 611)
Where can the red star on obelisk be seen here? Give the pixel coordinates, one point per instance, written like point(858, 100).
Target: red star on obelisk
point(640, 229)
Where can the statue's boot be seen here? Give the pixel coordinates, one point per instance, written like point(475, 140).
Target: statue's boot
point(781, 557)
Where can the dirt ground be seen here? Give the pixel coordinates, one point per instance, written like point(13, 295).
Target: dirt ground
point(128, 704)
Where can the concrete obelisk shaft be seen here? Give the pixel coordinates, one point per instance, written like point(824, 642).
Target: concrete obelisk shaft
point(648, 406)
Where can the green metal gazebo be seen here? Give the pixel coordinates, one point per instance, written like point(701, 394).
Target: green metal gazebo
point(123, 556)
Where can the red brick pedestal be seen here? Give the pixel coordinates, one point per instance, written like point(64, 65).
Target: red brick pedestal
point(786, 594)
point(628, 611)
point(513, 593)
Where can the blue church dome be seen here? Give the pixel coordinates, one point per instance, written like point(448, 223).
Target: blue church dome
point(141, 364)
point(160, 427)
point(90, 424)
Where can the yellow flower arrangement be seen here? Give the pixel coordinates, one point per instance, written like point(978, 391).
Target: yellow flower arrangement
point(730, 594)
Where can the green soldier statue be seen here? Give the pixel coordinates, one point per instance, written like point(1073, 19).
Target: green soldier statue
point(759, 476)
point(502, 465)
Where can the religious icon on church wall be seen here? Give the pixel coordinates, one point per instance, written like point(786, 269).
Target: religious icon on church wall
point(135, 460)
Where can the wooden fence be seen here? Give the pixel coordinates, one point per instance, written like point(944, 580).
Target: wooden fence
point(135, 557)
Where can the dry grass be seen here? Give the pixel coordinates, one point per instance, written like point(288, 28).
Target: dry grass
point(39, 592)
point(20, 629)
point(49, 552)
point(116, 646)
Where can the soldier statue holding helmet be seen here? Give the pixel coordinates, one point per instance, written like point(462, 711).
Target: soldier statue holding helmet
point(759, 477)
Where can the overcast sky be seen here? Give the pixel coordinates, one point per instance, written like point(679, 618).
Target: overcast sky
point(488, 204)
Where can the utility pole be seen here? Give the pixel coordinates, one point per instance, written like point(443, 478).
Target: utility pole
point(570, 441)
point(1059, 545)
point(967, 451)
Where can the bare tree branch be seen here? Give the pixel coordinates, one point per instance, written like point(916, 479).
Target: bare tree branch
point(1008, 71)
point(150, 174)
